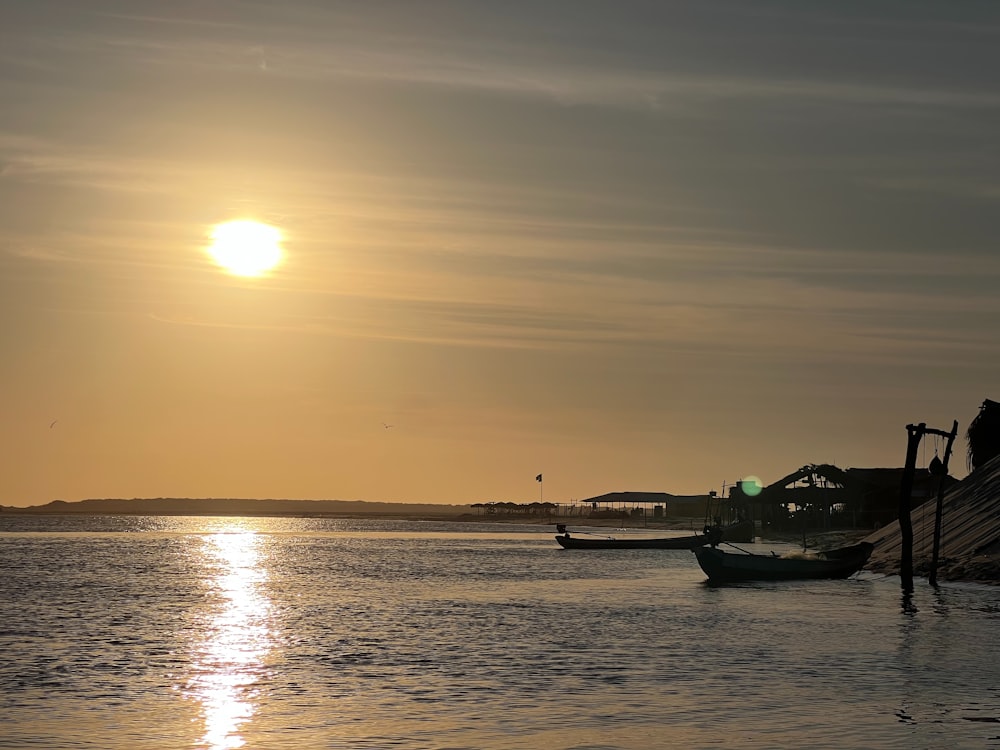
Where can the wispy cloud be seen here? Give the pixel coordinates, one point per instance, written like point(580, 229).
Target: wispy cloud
point(350, 44)
point(36, 159)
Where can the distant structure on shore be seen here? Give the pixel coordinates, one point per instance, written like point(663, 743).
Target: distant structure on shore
point(824, 496)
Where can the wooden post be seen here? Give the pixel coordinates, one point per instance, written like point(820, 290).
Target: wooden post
point(803, 528)
point(939, 507)
point(916, 433)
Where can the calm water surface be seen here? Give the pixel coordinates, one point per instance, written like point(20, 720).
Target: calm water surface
point(122, 632)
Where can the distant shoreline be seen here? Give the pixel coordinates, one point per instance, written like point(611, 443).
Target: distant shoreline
point(339, 509)
point(346, 509)
point(982, 569)
point(517, 519)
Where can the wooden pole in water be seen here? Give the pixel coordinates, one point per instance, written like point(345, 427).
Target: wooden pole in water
point(916, 433)
point(939, 507)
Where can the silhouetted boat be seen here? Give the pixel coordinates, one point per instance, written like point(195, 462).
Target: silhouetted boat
point(736, 532)
point(599, 542)
point(726, 567)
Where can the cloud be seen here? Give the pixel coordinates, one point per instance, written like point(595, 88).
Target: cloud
point(36, 159)
point(506, 54)
point(466, 203)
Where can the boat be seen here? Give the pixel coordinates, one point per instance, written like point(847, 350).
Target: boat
point(610, 542)
point(735, 532)
point(727, 567)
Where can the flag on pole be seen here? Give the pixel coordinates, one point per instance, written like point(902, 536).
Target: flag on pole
point(538, 478)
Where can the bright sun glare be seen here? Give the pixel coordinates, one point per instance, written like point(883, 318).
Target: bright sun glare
point(245, 248)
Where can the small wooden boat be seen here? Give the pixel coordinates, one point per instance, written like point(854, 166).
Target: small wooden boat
point(609, 542)
point(736, 532)
point(726, 567)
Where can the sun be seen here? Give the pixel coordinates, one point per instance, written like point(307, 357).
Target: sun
point(245, 248)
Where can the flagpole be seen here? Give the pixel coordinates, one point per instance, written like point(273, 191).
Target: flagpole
point(541, 488)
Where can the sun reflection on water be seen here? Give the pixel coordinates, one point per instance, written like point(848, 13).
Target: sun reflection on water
point(230, 659)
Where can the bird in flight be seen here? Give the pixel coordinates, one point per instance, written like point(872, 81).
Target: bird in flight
point(53, 423)
point(387, 426)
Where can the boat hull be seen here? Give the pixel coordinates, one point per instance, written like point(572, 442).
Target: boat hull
point(742, 531)
point(728, 567)
point(680, 542)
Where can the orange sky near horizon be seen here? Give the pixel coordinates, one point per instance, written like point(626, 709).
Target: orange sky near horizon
point(634, 246)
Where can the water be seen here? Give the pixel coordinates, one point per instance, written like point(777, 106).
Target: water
point(122, 632)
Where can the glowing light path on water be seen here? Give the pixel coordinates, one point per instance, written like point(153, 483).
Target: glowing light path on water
point(230, 659)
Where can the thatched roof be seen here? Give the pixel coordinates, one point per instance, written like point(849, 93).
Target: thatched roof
point(984, 434)
point(970, 532)
point(841, 485)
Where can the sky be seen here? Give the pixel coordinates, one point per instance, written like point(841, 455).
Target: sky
point(651, 246)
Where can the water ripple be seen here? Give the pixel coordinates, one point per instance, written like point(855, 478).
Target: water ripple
point(221, 633)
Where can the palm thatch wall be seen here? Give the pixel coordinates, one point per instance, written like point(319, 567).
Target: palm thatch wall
point(984, 434)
